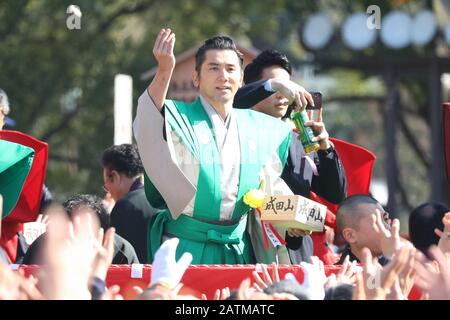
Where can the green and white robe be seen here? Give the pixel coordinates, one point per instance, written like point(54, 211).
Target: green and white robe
point(197, 170)
point(15, 164)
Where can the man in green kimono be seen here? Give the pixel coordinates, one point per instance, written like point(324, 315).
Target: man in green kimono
point(201, 158)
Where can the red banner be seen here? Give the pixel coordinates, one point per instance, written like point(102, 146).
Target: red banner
point(197, 279)
point(27, 207)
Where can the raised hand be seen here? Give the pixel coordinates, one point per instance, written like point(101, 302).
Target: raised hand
point(320, 132)
point(105, 252)
point(315, 278)
point(260, 283)
point(434, 283)
point(163, 50)
point(70, 252)
point(390, 238)
point(222, 294)
point(444, 241)
point(380, 283)
point(346, 275)
point(166, 270)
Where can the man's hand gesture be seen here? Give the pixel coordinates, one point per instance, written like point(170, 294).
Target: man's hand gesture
point(163, 50)
point(389, 235)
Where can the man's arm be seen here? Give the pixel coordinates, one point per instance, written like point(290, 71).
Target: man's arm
point(331, 183)
point(163, 52)
point(250, 94)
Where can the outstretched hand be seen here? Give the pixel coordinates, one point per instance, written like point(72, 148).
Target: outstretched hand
point(166, 270)
point(444, 241)
point(163, 50)
point(318, 127)
point(390, 236)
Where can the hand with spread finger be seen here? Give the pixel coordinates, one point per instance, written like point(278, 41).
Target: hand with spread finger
point(389, 236)
point(320, 132)
point(444, 236)
point(163, 50)
point(260, 283)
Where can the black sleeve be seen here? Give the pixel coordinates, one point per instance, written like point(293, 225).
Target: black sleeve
point(293, 243)
point(124, 252)
point(331, 183)
point(251, 94)
point(34, 254)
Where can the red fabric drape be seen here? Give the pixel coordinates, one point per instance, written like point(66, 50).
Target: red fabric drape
point(27, 207)
point(200, 279)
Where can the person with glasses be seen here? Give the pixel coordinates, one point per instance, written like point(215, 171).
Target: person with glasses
point(122, 176)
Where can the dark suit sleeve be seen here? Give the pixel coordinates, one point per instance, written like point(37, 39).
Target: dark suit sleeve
point(251, 94)
point(331, 183)
point(293, 243)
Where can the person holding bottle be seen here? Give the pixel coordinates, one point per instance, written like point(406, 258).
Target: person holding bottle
point(269, 89)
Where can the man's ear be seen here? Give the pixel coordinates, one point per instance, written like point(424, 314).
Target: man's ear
point(195, 78)
point(115, 176)
point(349, 235)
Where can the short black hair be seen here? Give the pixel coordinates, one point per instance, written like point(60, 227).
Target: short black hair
point(349, 213)
point(268, 58)
point(91, 202)
point(216, 43)
point(343, 291)
point(123, 158)
point(422, 221)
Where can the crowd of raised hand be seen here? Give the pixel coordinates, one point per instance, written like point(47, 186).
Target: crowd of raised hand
point(77, 261)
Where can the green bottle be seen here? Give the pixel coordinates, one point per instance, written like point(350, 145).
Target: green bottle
point(305, 133)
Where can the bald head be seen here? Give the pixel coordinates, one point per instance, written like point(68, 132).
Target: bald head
point(353, 209)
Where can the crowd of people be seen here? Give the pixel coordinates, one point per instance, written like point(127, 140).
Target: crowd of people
point(176, 198)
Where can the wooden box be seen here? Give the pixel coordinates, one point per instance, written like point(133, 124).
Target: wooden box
point(294, 211)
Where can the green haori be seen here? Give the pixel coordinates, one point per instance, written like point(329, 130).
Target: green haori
point(193, 126)
point(15, 164)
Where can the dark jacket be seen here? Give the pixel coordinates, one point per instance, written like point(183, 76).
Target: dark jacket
point(330, 183)
point(130, 216)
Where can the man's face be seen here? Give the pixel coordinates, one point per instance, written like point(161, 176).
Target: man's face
point(365, 235)
point(276, 105)
point(220, 76)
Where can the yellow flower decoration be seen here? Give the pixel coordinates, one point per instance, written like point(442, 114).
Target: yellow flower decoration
point(254, 198)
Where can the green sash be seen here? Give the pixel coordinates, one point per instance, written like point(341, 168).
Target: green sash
point(15, 164)
point(192, 125)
